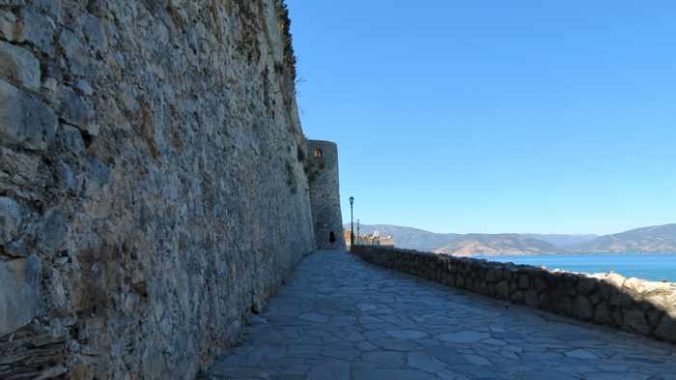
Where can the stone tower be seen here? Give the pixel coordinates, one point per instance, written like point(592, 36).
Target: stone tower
point(324, 195)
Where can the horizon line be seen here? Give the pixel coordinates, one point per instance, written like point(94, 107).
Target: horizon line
point(517, 233)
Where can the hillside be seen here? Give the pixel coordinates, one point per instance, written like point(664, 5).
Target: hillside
point(654, 239)
point(641, 240)
point(562, 240)
point(409, 237)
point(496, 245)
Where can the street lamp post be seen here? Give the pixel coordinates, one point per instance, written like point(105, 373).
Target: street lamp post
point(351, 223)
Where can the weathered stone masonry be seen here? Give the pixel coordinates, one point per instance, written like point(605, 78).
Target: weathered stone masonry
point(643, 307)
point(322, 168)
point(152, 181)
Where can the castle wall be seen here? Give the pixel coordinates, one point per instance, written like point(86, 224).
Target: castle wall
point(324, 194)
point(642, 307)
point(152, 185)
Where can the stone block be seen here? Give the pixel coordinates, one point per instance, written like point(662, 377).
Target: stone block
point(93, 32)
point(602, 314)
point(586, 285)
point(568, 283)
point(71, 139)
point(10, 219)
point(653, 315)
point(17, 248)
point(614, 279)
point(51, 231)
point(508, 270)
point(595, 298)
point(531, 297)
point(562, 304)
point(502, 289)
point(9, 26)
point(583, 308)
point(84, 88)
point(635, 320)
point(19, 293)
point(616, 317)
point(24, 120)
point(524, 281)
point(66, 178)
point(540, 284)
point(75, 52)
point(74, 110)
point(517, 296)
point(666, 329)
point(492, 275)
point(19, 65)
point(620, 297)
point(38, 30)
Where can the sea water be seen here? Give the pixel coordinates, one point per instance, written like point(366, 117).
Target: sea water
point(654, 267)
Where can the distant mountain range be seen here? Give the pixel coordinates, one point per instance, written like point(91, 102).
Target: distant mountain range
point(655, 239)
point(647, 239)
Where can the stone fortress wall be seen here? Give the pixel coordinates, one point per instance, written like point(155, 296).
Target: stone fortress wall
point(322, 159)
point(643, 307)
point(152, 181)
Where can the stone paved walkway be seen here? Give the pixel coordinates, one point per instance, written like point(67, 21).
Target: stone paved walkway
point(340, 318)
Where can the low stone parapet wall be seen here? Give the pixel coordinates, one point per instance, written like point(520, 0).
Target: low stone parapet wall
point(632, 304)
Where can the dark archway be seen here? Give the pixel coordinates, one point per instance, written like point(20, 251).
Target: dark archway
point(332, 237)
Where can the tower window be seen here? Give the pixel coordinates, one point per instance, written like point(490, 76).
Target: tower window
point(317, 153)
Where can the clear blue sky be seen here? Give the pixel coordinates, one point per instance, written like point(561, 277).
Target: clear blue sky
point(495, 116)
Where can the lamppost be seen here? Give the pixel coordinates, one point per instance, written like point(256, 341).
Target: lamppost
point(351, 223)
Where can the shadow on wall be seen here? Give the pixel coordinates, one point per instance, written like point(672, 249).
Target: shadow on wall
point(643, 307)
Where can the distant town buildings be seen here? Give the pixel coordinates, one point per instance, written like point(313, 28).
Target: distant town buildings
point(370, 239)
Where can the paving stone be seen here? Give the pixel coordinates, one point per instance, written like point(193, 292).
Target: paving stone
point(463, 337)
point(581, 354)
point(396, 345)
point(451, 375)
point(367, 307)
point(330, 371)
point(424, 362)
point(314, 317)
point(406, 334)
point(615, 376)
point(385, 359)
point(366, 346)
point(477, 360)
point(494, 342)
point(241, 372)
point(550, 375)
point(509, 355)
point(341, 352)
point(340, 318)
point(390, 374)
